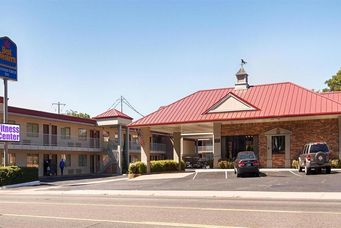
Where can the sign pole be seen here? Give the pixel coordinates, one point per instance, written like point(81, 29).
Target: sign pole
point(5, 116)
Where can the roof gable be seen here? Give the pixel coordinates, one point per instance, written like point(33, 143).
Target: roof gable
point(231, 103)
point(112, 113)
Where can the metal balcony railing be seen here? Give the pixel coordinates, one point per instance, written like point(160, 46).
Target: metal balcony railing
point(158, 147)
point(205, 149)
point(58, 141)
point(154, 147)
point(134, 147)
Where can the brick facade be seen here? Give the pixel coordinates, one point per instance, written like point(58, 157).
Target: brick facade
point(302, 132)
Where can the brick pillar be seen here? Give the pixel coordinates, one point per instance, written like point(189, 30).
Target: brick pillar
point(339, 137)
point(268, 152)
point(145, 146)
point(216, 144)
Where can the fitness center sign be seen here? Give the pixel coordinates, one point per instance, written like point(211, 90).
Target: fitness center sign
point(9, 133)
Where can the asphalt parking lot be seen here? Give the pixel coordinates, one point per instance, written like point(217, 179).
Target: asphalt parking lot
point(208, 180)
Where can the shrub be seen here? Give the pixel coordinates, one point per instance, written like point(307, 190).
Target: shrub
point(165, 166)
point(223, 164)
point(294, 164)
point(16, 175)
point(137, 168)
point(155, 166)
point(336, 163)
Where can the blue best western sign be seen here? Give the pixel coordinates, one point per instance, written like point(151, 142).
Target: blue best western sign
point(8, 59)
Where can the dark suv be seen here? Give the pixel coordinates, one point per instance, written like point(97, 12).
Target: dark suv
point(315, 156)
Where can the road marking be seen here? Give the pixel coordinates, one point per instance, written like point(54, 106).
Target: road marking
point(196, 173)
point(225, 174)
point(116, 221)
point(175, 208)
point(295, 173)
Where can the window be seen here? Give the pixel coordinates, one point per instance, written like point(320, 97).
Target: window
point(32, 129)
point(68, 160)
point(319, 148)
point(82, 160)
point(66, 133)
point(32, 160)
point(12, 159)
point(278, 144)
point(82, 134)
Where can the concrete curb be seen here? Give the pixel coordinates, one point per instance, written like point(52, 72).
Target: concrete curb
point(26, 184)
point(196, 194)
point(232, 170)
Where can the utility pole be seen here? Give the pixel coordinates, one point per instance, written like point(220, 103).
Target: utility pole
point(58, 104)
point(122, 104)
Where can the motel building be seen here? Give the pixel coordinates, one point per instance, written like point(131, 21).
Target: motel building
point(273, 120)
point(100, 145)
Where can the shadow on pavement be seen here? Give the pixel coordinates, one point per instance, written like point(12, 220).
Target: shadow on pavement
point(51, 179)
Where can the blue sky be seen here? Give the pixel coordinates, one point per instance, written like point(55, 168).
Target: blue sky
point(88, 53)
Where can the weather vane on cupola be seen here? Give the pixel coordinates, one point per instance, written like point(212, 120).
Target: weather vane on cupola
point(243, 62)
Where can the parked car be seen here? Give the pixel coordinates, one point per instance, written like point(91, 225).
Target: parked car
point(195, 162)
point(246, 162)
point(315, 156)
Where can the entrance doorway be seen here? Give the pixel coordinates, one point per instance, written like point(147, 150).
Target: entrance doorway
point(54, 136)
point(46, 135)
point(50, 164)
point(231, 145)
point(95, 162)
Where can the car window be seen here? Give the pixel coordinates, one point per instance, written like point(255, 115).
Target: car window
point(247, 156)
point(319, 148)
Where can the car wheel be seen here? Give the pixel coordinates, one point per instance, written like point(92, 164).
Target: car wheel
point(235, 171)
point(318, 170)
point(307, 170)
point(328, 170)
point(257, 174)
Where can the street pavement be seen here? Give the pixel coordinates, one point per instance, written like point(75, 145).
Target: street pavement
point(204, 198)
point(107, 211)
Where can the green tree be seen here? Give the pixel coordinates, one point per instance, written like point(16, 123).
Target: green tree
point(334, 84)
point(77, 114)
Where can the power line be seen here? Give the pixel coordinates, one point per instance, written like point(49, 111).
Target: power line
point(122, 100)
point(59, 104)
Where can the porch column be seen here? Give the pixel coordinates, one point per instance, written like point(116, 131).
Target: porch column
point(177, 148)
point(145, 135)
point(127, 148)
point(268, 152)
point(340, 137)
point(120, 149)
point(216, 144)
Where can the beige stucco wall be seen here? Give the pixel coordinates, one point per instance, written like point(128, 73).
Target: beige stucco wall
point(188, 147)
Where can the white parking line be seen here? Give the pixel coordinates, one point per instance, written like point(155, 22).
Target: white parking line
point(196, 173)
point(295, 173)
point(225, 174)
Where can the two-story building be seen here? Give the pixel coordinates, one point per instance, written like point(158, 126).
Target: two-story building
point(102, 144)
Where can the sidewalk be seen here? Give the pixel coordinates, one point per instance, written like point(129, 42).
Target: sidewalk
point(188, 194)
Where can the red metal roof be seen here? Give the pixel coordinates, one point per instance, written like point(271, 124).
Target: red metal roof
point(336, 96)
point(112, 113)
point(272, 101)
point(30, 112)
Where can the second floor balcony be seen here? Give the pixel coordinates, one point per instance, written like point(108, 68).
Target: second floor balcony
point(57, 142)
point(205, 149)
point(154, 147)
